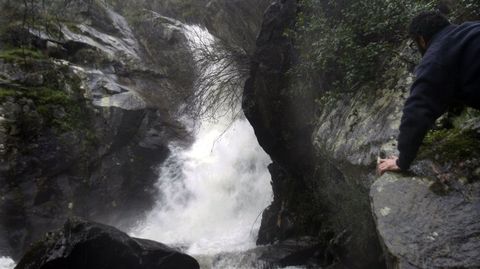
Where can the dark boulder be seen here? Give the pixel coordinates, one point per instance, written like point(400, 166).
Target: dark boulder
point(83, 244)
point(421, 228)
point(313, 195)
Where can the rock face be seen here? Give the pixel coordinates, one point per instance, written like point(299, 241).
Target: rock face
point(87, 110)
point(312, 196)
point(324, 145)
point(84, 244)
point(236, 21)
point(422, 229)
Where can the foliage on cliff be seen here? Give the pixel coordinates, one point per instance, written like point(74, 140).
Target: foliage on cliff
point(346, 44)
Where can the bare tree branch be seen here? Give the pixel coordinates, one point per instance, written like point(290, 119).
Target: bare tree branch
point(221, 73)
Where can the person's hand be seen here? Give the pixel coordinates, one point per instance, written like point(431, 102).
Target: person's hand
point(389, 164)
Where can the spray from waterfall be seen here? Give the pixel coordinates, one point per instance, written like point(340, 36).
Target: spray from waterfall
point(6, 263)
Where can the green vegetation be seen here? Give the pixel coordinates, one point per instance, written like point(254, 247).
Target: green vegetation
point(4, 93)
point(451, 145)
point(455, 137)
point(346, 44)
point(49, 100)
point(72, 26)
point(50, 107)
point(21, 54)
point(466, 10)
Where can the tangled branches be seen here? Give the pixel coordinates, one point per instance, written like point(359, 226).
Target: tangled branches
point(221, 72)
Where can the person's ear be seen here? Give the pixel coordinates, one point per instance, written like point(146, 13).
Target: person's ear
point(422, 43)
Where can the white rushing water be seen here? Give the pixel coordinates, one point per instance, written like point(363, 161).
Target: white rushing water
point(212, 193)
point(6, 263)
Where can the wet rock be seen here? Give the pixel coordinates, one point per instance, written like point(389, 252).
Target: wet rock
point(33, 79)
point(298, 251)
point(420, 228)
point(84, 126)
point(292, 252)
point(315, 193)
point(236, 22)
point(83, 244)
point(263, 105)
point(325, 142)
point(127, 101)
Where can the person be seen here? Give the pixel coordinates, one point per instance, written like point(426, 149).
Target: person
point(449, 72)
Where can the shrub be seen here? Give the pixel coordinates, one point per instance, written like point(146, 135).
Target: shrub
point(348, 43)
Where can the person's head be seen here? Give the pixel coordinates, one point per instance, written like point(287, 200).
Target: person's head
point(424, 26)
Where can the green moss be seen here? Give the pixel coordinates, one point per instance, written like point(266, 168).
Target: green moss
point(4, 93)
point(451, 145)
point(50, 100)
point(47, 96)
point(72, 26)
point(20, 54)
point(46, 101)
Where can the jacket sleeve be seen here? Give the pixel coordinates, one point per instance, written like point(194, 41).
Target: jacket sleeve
point(430, 95)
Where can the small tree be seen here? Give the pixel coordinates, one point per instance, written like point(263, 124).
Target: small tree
point(221, 73)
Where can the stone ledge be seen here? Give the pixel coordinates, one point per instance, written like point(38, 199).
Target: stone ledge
point(421, 229)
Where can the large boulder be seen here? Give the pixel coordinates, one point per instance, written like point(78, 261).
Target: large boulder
point(315, 193)
point(83, 244)
point(421, 227)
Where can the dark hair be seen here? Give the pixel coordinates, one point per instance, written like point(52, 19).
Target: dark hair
point(427, 24)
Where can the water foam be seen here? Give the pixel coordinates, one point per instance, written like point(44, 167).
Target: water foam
point(213, 192)
point(6, 263)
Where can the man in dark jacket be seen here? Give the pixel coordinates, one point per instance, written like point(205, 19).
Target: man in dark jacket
point(449, 72)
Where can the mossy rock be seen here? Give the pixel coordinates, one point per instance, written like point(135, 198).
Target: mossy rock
point(451, 145)
point(46, 102)
point(5, 93)
point(21, 54)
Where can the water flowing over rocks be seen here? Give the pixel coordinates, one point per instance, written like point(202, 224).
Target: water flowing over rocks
point(87, 119)
point(89, 111)
point(83, 244)
point(89, 98)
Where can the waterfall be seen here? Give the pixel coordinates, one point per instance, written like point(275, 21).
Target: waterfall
point(212, 193)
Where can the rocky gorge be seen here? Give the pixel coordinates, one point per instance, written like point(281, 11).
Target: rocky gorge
point(93, 95)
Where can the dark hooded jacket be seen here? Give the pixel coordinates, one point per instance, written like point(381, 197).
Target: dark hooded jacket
point(449, 72)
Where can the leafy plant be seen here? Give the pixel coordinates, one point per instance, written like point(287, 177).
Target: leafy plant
point(348, 43)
